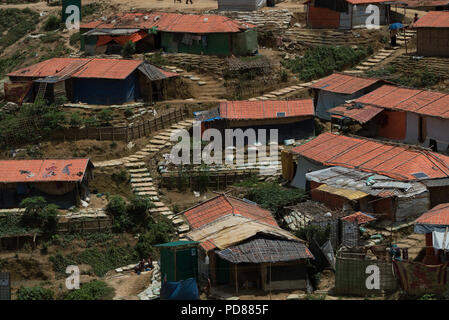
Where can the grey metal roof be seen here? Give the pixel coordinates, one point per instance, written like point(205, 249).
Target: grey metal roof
point(262, 249)
point(153, 73)
point(373, 184)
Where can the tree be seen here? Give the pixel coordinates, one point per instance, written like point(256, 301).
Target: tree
point(40, 215)
point(128, 49)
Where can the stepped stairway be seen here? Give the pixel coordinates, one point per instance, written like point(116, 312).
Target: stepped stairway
point(142, 183)
point(372, 62)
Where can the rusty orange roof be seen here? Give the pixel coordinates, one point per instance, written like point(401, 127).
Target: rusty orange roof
point(220, 206)
point(82, 68)
point(266, 109)
point(48, 170)
point(361, 114)
point(171, 22)
point(360, 217)
point(107, 68)
point(433, 19)
point(343, 83)
point(430, 103)
point(439, 215)
point(396, 161)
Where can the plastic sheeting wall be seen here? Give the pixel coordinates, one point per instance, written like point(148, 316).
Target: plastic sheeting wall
point(239, 5)
point(412, 207)
point(437, 129)
point(328, 100)
point(106, 91)
point(359, 15)
point(304, 166)
point(351, 276)
point(244, 43)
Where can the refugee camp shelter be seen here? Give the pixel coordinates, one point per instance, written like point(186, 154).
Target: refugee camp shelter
point(241, 5)
point(433, 34)
point(435, 225)
point(60, 181)
point(410, 115)
point(338, 88)
point(294, 119)
point(350, 190)
point(344, 14)
point(397, 161)
point(245, 246)
point(171, 32)
point(179, 260)
point(95, 81)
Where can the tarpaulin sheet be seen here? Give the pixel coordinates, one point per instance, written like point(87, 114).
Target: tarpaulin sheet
point(102, 40)
point(181, 290)
point(106, 91)
point(16, 92)
point(438, 239)
point(417, 278)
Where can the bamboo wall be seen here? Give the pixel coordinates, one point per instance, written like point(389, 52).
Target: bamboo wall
point(433, 42)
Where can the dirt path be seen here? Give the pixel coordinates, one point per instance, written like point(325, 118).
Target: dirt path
point(128, 285)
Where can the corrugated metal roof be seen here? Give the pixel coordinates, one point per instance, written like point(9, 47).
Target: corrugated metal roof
point(360, 217)
point(435, 104)
point(266, 109)
point(172, 22)
point(362, 114)
point(107, 69)
point(85, 68)
point(230, 230)
point(349, 194)
point(220, 206)
point(153, 73)
point(48, 170)
point(343, 83)
point(396, 161)
point(433, 19)
point(439, 215)
point(373, 184)
point(262, 250)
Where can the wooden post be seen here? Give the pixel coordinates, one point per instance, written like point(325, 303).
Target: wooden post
point(175, 264)
point(270, 280)
point(236, 280)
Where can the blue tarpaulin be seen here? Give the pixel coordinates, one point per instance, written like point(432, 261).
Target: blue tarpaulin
point(180, 290)
point(106, 91)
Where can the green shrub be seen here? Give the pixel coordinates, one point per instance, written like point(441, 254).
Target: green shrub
point(90, 122)
point(105, 115)
point(75, 38)
point(75, 120)
point(320, 234)
point(40, 215)
point(95, 290)
point(53, 22)
point(321, 61)
point(128, 49)
point(15, 24)
point(50, 37)
point(34, 293)
point(272, 196)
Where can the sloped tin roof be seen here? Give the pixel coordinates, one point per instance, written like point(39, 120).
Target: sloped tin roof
point(396, 161)
point(48, 170)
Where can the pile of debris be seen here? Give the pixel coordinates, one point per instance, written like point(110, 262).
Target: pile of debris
point(274, 21)
point(154, 290)
point(203, 63)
